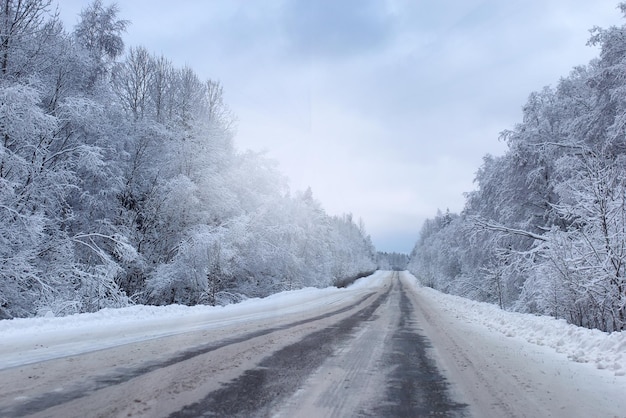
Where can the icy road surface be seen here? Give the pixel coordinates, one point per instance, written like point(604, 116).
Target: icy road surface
point(383, 347)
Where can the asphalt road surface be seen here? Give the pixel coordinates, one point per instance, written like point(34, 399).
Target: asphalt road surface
point(366, 357)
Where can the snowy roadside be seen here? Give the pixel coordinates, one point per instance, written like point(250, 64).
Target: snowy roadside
point(36, 339)
point(29, 340)
point(582, 345)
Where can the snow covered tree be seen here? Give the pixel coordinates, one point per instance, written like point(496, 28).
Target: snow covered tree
point(544, 231)
point(120, 181)
point(25, 27)
point(99, 32)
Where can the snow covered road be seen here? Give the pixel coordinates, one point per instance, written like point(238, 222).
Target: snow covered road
point(383, 347)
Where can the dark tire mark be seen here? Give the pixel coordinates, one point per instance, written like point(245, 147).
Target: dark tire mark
point(278, 376)
point(415, 388)
point(121, 375)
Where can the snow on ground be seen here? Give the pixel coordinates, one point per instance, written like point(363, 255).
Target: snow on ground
point(28, 340)
point(606, 351)
point(35, 339)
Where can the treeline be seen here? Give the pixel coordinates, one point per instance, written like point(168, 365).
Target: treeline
point(391, 261)
point(120, 183)
point(545, 230)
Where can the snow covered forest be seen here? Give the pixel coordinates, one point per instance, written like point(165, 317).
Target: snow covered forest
point(391, 261)
point(120, 182)
point(545, 229)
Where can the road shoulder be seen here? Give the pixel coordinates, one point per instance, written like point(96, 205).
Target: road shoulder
point(500, 376)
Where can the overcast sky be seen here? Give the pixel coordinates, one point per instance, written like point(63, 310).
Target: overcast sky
point(384, 107)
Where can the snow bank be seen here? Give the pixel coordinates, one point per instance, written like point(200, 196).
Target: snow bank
point(27, 340)
point(35, 339)
point(606, 351)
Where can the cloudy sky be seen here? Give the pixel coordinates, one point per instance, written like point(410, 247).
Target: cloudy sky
point(384, 107)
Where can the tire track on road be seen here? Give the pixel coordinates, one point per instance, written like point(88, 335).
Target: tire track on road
point(384, 370)
point(82, 389)
point(415, 387)
point(313, 377)
point(278, 376)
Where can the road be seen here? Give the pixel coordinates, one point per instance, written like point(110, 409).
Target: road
point(353, 358)
point(384, 350)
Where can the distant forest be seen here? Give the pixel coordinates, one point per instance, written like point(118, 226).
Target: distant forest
point(392, 261)
point(120, 182)
point(545, 229)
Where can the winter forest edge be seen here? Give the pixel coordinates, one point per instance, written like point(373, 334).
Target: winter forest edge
point(120, 182)
point(545, 230)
